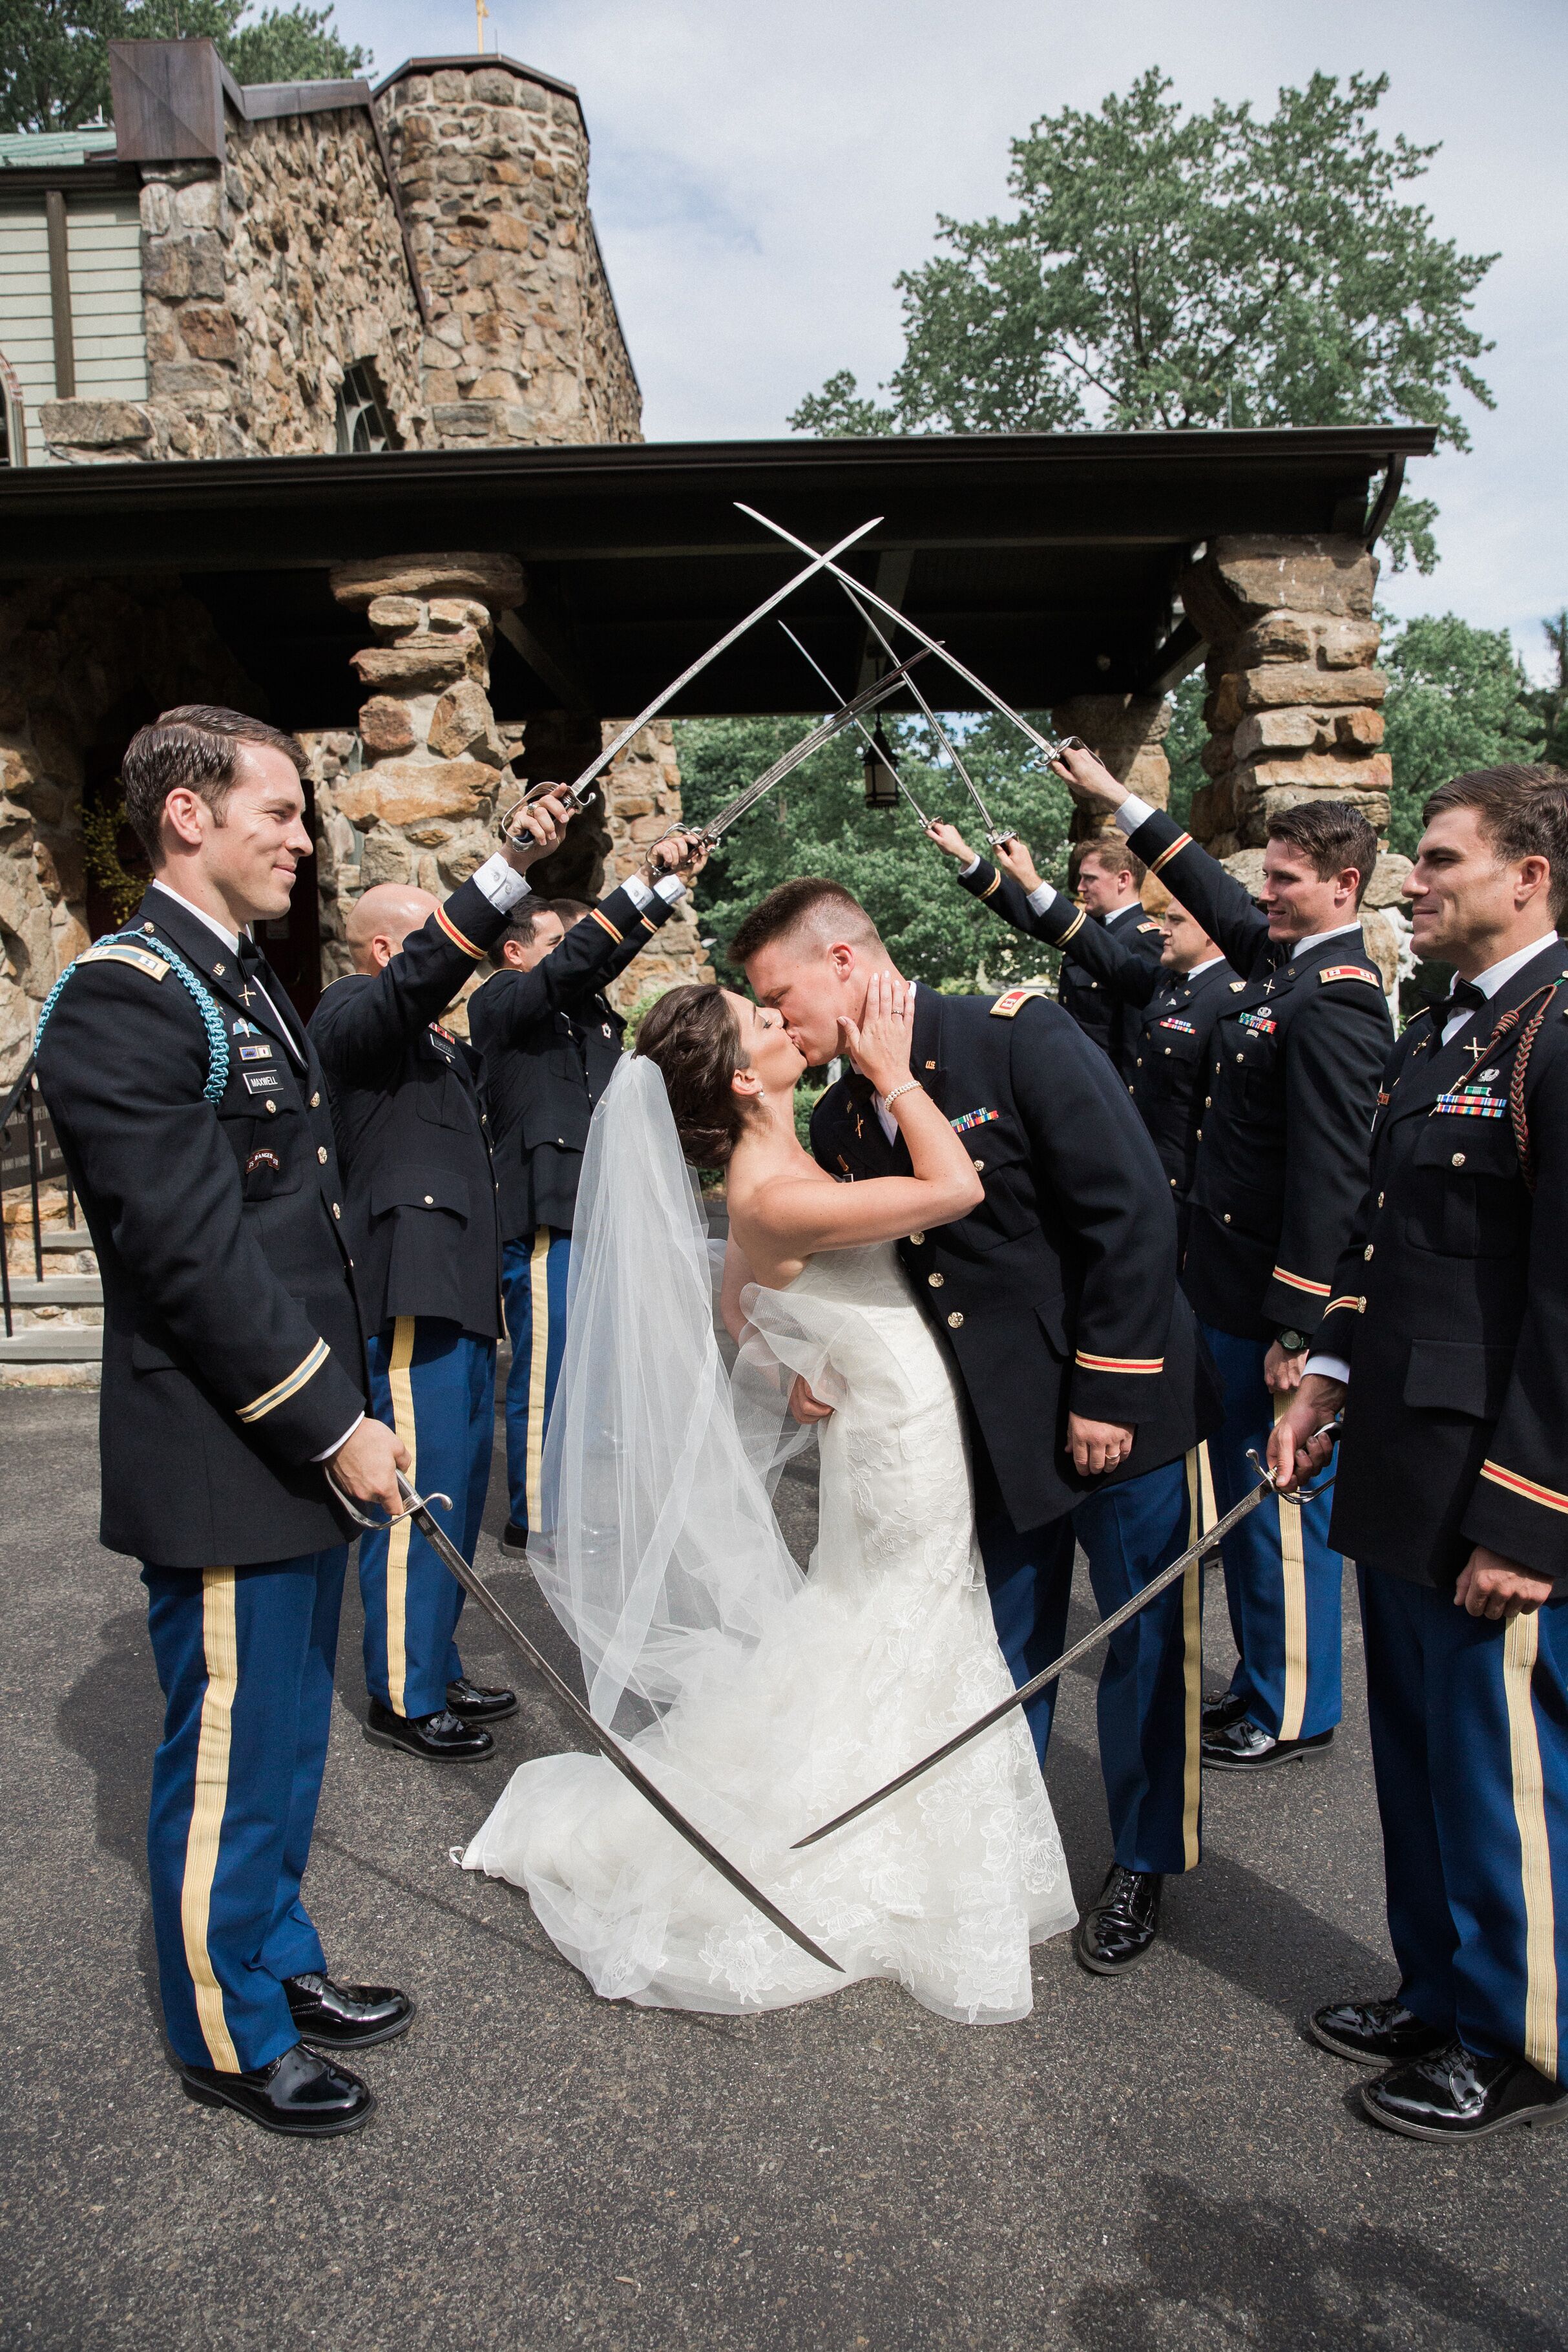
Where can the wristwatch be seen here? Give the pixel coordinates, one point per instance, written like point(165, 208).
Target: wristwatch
point(1293, 1342)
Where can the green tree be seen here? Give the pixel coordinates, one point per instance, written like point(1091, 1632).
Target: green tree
point(1550, 702)
point(818, 823)
point(54, 54)
point(1457, 697)
point(1164, 269)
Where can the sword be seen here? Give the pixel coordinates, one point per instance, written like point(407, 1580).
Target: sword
point(846, 580)
point(992, 835)
point(864, 729)
point(1199, 1551)
point(417, 1507)
point(581, 791)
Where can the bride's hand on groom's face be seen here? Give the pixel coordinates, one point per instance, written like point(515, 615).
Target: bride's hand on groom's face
point(1097, 1445)
point(879, 1043)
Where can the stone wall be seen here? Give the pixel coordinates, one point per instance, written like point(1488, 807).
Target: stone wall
point(262, 280)
point(524, 344)
point(1127, 731)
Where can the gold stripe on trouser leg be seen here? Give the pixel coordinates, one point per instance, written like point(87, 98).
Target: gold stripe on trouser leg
point(1199, 1515)
point(220, 1647)
point(1521, 1645)
point(539, 1368)
point(401, 1386)
point(1294, 1572)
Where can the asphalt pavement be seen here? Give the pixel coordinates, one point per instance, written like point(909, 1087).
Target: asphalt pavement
point(1159, 2162)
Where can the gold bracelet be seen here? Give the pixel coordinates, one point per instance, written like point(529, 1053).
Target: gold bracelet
point(909, 1085)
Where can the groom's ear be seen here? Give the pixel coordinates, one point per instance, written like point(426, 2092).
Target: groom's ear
point(842, 957)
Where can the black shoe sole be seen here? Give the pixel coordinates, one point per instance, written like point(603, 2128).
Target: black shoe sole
point(1097, 1968)
point(1271, 1762)
point(1551, 2111)
point(320, 2040)
point(424, 1755)
point(1360, 2055)
point(333, 2127)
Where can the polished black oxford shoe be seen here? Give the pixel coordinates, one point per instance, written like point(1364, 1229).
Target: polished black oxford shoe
point(442, 1738)
point(1123, 1924)
point(1383, 2031)
point(1245, 1747)
point(513, 1538)
point(346, 2017)
point(1216, 1713)
point(479, 1702)
point(299, 2094)
point(1453, 2094)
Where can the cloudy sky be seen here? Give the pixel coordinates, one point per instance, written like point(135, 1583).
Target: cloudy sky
point(762, 172)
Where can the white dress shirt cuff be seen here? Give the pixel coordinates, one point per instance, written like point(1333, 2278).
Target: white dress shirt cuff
point(341, 1442)
point(670, 888)
point(502, 884)
point(972, 867)
point(1328, 1367)
point(1131, 813)
point(1041, 900)
point(637, 890)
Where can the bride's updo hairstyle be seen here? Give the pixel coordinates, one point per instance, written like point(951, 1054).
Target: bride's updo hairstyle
point(693, 1038)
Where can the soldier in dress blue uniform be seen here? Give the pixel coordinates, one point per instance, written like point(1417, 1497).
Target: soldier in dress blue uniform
point(419, 1207)
point(1088, 1389)
point(192, 1110)
point(550, 1042)
point(1446, 1343)
point(1106, 880)
point(1177, 1000)
point(1292, 1081)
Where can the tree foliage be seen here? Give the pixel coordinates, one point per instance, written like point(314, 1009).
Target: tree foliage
point(817, 823)
point(54, 54)
point(1168, 269)
point(1458, 698)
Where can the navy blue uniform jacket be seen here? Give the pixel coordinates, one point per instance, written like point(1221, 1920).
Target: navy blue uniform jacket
point(1059, 1293)
point(1112, 1018)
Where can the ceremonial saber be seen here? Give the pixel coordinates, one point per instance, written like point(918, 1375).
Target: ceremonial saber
point(579, 792)
point(1107, 1626)
point(417, 1508)
point(846, 580)
point(992, 835)
point(860, 722)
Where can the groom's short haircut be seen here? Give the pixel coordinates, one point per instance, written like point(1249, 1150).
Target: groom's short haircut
point(811, 907)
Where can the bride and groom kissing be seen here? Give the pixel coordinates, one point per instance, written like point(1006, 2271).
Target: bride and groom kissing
point(968, 1287)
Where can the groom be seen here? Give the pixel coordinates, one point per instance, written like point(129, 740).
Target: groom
point(1087, 1387)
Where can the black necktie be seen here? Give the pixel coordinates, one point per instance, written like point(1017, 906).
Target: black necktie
point(1464, 997)
point(259, 973)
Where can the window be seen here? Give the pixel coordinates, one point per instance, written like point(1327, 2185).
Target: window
point(362, 421)
point(12, 430)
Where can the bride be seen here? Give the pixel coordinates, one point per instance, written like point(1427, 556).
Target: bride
point(760, 1700)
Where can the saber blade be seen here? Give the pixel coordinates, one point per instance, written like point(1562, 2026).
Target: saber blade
point(860, 722)
point(846, 580)
point(992, 835)
point(848, 716)
point(609, 1747)
point(1091, 1640)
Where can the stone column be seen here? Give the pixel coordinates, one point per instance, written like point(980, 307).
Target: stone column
point(1127, 731)
point(1294, 709)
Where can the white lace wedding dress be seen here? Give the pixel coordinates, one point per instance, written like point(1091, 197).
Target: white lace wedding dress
point(813, 1694)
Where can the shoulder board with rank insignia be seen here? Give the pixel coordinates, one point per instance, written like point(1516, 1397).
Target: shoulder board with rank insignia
point(1009, 1005)
point(1150, 925)
point(1351, 972)
point(1237, 986)
point(140, 959)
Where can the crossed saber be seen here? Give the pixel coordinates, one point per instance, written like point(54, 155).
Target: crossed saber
point(418, 1507)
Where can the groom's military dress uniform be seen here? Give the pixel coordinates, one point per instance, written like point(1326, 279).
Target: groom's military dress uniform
point(233, 1362)
point(1059, 1293)
point(1291, 1078)
point(1450, 1311)
point(550, 1042)
point(1172, 1050)
point(420, 1209)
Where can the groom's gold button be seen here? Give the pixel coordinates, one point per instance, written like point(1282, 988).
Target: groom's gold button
point(916, 1239)
point(935, 1280)
point(954, 1320)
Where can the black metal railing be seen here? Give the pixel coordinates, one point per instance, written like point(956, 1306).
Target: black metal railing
point(29, 1153)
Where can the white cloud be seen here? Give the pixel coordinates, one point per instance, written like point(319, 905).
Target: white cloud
point(760, 174)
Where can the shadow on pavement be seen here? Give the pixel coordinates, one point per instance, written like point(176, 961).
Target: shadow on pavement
point(112, 1718)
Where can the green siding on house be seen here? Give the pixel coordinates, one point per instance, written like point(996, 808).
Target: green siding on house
point(103, 240)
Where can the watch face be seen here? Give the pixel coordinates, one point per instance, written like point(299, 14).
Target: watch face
point(1292, 1343)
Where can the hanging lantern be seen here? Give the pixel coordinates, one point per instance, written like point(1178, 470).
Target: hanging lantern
point(880, 768)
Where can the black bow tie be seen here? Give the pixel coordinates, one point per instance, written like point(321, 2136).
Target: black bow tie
point(1464, 997)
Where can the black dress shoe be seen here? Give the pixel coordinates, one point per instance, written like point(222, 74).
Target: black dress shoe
point(479, 1702)
point(441, 1738)
point(299, 2093)
point(1452, 2094)
point(346, 2017)
point(1216, 1713)
point(1123, 1924)
point(1245, 1747)
point(1383, 2030)
point(515, 1538)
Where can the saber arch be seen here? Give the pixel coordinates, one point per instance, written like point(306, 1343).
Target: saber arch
point(317, 402)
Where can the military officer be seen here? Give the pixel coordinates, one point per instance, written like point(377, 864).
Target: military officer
point(1291, 1085)
point(1088, 1391)
point(1106, 878)
point(419, 1207)
point(191, 1107)
point(1177, 999)
point(1446, 1342)
point(550, 1042)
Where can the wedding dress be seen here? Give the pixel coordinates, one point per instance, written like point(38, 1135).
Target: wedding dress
point(768, 1702)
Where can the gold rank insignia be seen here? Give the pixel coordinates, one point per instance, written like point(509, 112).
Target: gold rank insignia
point(1009, 1005)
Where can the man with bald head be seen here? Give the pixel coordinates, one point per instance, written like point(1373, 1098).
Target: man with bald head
point(419, 1206)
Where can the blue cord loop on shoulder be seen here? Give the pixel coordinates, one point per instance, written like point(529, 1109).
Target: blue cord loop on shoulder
point(206, 1003)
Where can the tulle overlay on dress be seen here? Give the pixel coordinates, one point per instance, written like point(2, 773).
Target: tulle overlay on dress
point(887, 1646)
